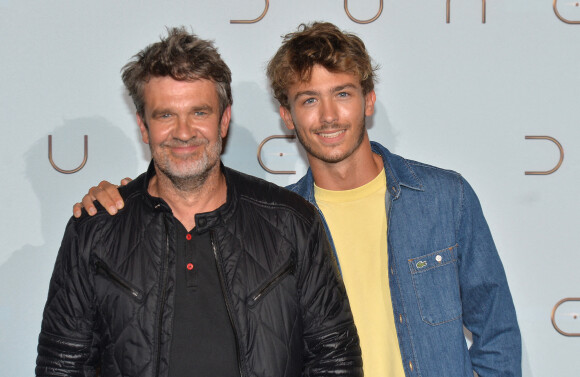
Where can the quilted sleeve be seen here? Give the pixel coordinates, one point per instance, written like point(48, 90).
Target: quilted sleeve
point(331, 342)
point(65, 344)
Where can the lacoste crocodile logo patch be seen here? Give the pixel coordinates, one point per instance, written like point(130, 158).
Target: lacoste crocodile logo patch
point(421, 264)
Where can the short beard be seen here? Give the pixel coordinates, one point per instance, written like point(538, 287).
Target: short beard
point(330, 159)
point(203, 168)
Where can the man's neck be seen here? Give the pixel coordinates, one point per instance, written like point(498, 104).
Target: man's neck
point(185, 204)
point(355, 171)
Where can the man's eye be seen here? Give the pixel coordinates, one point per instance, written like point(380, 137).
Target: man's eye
point(165, 116)
point(200, 113)
point(343, 94)
point(309, 100)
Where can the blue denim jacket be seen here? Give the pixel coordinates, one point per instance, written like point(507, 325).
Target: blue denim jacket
point(444, 273)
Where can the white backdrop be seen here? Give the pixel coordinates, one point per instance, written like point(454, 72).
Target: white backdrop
point(461, 95)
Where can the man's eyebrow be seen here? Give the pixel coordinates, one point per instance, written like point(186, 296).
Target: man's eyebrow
point(332, 90)
point(343, 87)
point(305, 93)
point(158, 112)
point(206, 108)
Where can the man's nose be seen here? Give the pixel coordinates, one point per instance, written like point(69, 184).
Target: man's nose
point(185, 129)
point(329, 112)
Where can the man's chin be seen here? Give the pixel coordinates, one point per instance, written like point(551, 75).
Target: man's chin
point(329, 155)
point(186, 174)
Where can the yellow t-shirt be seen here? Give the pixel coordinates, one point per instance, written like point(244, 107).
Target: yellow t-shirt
point(358, 223)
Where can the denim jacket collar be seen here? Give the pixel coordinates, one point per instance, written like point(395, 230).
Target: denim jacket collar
point(399, 172)
point(397, 169)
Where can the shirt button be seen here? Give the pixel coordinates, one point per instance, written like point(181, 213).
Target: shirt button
point(190, 266)
point(188, 237)
point(401, 318)
point(439, 258)
point(411, 366)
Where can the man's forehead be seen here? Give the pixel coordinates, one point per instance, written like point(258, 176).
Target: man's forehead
point(161, 86)
point(164, 93)
point(322, 79)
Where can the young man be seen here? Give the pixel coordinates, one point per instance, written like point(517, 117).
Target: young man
point(413, 246)
point(206, 271)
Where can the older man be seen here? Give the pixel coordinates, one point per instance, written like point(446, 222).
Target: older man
point(206, 271)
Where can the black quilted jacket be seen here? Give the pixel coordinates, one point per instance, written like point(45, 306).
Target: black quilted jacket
point(110, 302)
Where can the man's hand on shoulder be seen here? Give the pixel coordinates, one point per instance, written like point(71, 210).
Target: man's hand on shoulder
point(106, 193)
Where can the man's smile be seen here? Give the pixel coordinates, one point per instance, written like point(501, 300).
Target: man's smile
point(330, 135)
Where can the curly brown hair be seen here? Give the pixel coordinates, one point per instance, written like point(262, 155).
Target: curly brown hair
point(319, 43)
point(184, 57)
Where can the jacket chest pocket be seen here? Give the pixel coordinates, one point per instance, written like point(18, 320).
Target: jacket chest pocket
point(282, 273)
point(436, 284)
point(104, 271)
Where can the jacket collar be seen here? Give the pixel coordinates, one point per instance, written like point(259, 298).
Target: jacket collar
point(398, 171)
point(217, 217)
point(205, 220)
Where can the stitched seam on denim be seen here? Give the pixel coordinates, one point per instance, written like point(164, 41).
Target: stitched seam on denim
point(442, 251)
point(423, 270)
point(401, 296)
point(461, 208)
point(421, 164)
point(413, 173)
point(421, 308)
point(388, 168)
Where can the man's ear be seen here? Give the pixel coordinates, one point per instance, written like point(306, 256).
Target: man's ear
point(143, 129)
point(286, 116)
point(370, 99)
point(225, 121)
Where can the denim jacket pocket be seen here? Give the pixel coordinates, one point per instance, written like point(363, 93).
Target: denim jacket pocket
point(436, 284)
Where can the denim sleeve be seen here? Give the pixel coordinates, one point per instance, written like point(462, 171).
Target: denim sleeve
point(488, 309)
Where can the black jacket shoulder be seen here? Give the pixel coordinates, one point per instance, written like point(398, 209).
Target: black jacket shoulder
point(266, 193)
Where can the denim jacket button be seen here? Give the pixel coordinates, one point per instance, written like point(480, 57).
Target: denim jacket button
point(411, 365)
point(439, 258)
point(401, 318)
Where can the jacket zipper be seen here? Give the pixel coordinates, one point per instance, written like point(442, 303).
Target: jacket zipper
point(101, 266)
point(228, 308)
point(161, 305)
point(287, 270)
